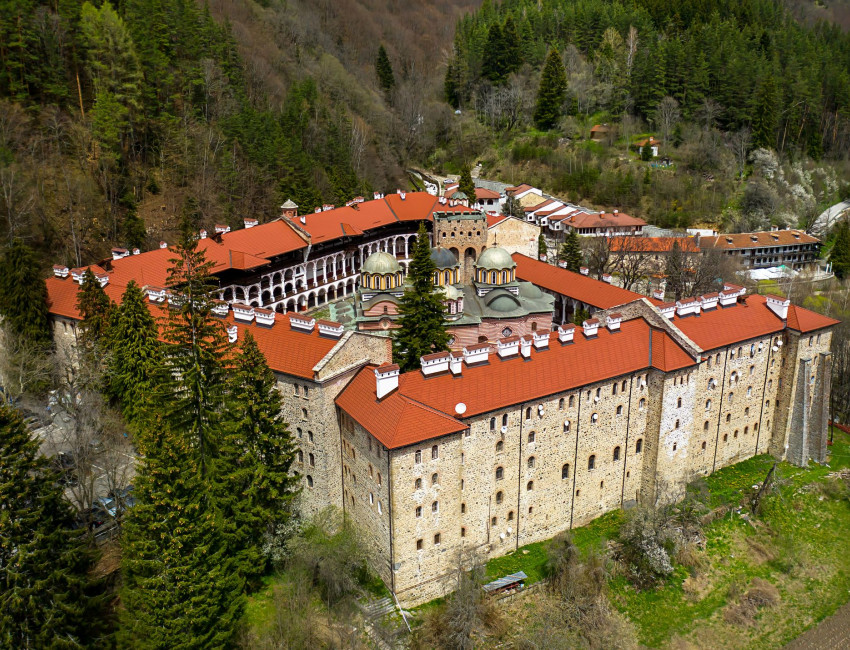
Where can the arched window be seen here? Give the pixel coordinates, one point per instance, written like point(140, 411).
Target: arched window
point(462, 508)
point(731, 397)
point(499, 446)
point(435, 507)
point(499, 496)
point(511, 515)
point(529, 486)
point(505, 420)
point(561, 404)
point(708, 405)
point(565, 471)
point(679, 403)
point(500, 473)
point(304, 413)
point(735, 435)
point(746, 430)
point(614, 388)
point(531, 436)
point(572, 400)
point(418, 511)
point(300, 456)
point(725, 437)
point(749, 391)
point(312, 460)
point(639, 445)
point(417, 484)
point(528, 413)
point(703, 445)
point(371, 499)
point(620, 410)
point(434, 479)
point(492, 424)
point(616, 453)
point(309, 481)
point(594, 417)
point(705, 426)
point(677, 425)
point(641, 404)
point(417, 457)
point(435, 452)
point(591, 462)
point(531, 461)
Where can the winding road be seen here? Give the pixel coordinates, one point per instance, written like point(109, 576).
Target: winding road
point(824, 222)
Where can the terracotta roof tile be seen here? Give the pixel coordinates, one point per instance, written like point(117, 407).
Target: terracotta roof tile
point(602, 220)
point(267, 240)
point(653, 244)
point(482, 193)
point(804, 320)
point(762, 239)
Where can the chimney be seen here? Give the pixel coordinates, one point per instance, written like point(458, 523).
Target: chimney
point(60, 271)
point(616, 212)
point(289, 210)
point(102, 278)
point(155, 294)
point(242, 312)
point(250, 223)
point(163, 244)
point(136, 251)
point(590, 327)
point(607, 277)
point(584, 270)
point(221, 228)
point(302, 323)
point(479, 353)
point(613, 322)
point(220, 308)
point(525, 346)
point(541, 340)
point(327, 207)
point(667, 309)
point(435, 363)
point(566, 333)
point(778, 305)
point(232, 333)
point(203, 233)
point(377, 195)
point(687, 306)
point(330, 329)
point(264, 316)
point(456, 364)
point(386, 379)
point(507, 347)
point(118, 253)
point(709, 301)
point(658, 294)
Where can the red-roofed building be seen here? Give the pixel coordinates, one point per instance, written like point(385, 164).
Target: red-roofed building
point(603, 224)
point(795, 249)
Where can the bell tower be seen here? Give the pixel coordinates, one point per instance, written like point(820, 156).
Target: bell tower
point(464, 233)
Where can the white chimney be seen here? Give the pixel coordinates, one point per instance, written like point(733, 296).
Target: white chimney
point(250, 223)
point(709, 301)
point(456, 363)
point(541, 340)
point(232, 333)
point(242, 312)
point(590, 327)
point(728, 297)
point(377, 195)
point(566, 333)
point(221, 228)
point(778, 305)
point(302, 323)
point(613, 322)
point(163, 244)
point(525, 344)
point(478, 353)
point(60, 271)
point(435, 363)
point(118, 253)
point(687, 306)
point(667, 309)
point(220, 308)
point(136, 251)
point(507, 347)
point(155, 294)
point(203, 233)
point(607, 277)
point(330, 329)
point(584, 270)
point(386, 379)
point(264, 316)
point(658, 294)
point(102, 278)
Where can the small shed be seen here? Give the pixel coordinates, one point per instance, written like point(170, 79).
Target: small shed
point(513, 582)
point(599, 132)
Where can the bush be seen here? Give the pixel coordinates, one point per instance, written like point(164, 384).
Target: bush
point(761, 594)
point(648, 540)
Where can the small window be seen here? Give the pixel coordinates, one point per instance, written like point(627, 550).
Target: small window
point(296, 387)
point(735, 435)
point(728, 417)
point(379, 478)
point(747, 411)
point(309, 481)
point(529, 486)
point(435, 452)
point(703, 445)
point(624, 385)
point(561, 404)
point(371, 499)
point(435, 507)
point(500, 473)
point(462, 508)
point(749, 391)
point(299, 432)
point(572, 400)
point(639, 445)
point(499, 496)
point(417, 484)
point(708, 405)
point(705, 426)
point(616, 453)
point(641, 404)
point(725, 437)
point(463, 532)
point(312, 460)
point(499, 446)
point(594, 418)
point(620, 410)
point(492, 424)
point(419, 541)
point(531, 436)
point(528, 413)
point(494, 521)
point(679, 403)
point(731, 397)
point(434, 479)
point(511, 515)
point(567, 425)
point(752, 370)
point(746, 430)
point(417, 457)
point(436, 539)
point(599, 392)
point(304, 413)
point(677, 425)
point(310, 438)
point(531, 461)
point(591, 462)
point(565, 471)
point(505, 420)
point(614, 388)
point(300, 456)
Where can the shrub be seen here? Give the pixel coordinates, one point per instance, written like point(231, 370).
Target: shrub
point(648, 539)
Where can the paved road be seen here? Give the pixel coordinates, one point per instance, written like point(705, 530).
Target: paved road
point(828, 216)
point(830, 634)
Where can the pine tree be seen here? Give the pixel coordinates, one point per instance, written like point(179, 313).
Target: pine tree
point(542, 248)
point(196, 352)
point(466, 185)
point(135, 362)
point(571, 251)
point(493, 64)
point(46, 597)
point(384, 70)
point(840, 254)
point(255, 484)
point(513, 46)
point(23, 296)
point(95, 310)
point(422, 325)
point(765, 114)
point(552, 92)
point(182, 588)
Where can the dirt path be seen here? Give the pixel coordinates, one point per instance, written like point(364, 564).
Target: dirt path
point(829, 634)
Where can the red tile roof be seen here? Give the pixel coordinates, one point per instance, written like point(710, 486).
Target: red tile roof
point(519, 189)
point(602, 220)
point(482, 193)
point(580, 287)
point(653, 244)
point(267, 240)
point(762, 239)
point(804, 320)
point(427, 404)
point(494, 219)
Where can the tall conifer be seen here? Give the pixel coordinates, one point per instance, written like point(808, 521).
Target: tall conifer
point(23, 296)
point(571, 251)
point(840, 254)
point(46, 597)
point(95, 309)
point(384, 70)
point(493, 65)
point(422, 324)
point(552, 92)
point(466, 184)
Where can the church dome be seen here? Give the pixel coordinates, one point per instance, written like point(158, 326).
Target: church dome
point(450, 292)
point(443, 258)
point(380, 264)
point(528, 290)
point(495, 259)
point(459, 196)
point(504, 302)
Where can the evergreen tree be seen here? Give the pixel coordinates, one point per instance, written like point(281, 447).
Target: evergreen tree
point(95, 310)
point(46, 597)
point(182, 588)
point(542, 248)
point(493, 65)
point(23, 296)
point(571, 251)
point(384, 70)
point(422, 325)
point(765, 114)
point(466, 185)
point(552, 92)
point(513, 46)
point(255, 484)
point(580, 316)
point(136, 360)
point(840, 254)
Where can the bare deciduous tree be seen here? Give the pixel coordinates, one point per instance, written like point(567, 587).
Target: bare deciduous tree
point(666, 116)
point(740, 142)
point(631, 258)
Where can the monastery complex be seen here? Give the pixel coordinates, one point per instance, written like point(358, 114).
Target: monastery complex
point(530, 425)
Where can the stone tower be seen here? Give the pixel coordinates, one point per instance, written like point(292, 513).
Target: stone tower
point(464, 234)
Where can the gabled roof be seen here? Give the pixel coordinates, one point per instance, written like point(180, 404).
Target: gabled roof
point(805, 321)
point(428, 404)
point(481, 193)
point(653, 244)
point(602, 220)
point(267, 240)
point(595, 293)
point(758, 239)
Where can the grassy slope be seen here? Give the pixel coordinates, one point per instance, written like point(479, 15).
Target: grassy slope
point(799, 545)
